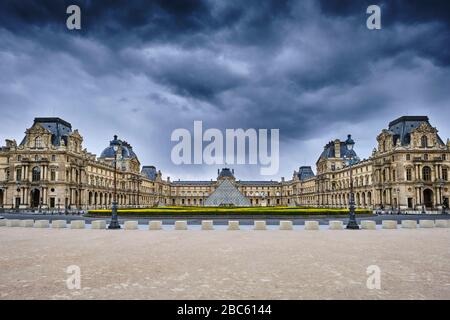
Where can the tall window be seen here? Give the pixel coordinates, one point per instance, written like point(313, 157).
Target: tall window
point(444, 174)
point(408, 174)
point(408, 157)
point(19, 174)
point(38, 142)
point(424, 141)
point(36, 174)
point(53, 175)
point(426, 173)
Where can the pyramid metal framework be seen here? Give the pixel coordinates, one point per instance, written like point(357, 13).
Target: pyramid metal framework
point(227, 194)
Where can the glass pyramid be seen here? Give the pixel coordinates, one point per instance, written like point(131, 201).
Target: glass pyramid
point(227, 194)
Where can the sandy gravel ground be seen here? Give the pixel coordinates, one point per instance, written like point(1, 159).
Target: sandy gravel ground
point(414, 264)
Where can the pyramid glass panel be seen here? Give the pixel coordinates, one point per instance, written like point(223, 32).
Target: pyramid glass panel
point(227, 194)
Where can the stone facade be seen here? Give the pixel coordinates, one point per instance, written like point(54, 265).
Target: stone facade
point(50, 170)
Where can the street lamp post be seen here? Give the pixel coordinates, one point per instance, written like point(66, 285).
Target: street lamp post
point(352, 224)
point(114, 225)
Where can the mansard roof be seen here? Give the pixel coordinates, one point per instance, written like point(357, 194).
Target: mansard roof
point(149, 172)
point(305, 172)
point(329, 151)
point(402, 127)
point(59, 129)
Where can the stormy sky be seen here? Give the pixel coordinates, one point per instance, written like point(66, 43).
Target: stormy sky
point(141, 69)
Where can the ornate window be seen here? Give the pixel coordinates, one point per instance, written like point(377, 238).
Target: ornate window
point(19, 174)
point(408, 157)
point(36, 174)
point(38, 142)
point(53, 175)
point(424, 142)
point(408, 174)
point(445, 174)
point(426, 173)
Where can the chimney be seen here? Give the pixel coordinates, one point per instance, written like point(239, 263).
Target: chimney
point(337, 148)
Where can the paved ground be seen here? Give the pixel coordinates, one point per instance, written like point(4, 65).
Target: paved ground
point(224, 220)
point(414, 264)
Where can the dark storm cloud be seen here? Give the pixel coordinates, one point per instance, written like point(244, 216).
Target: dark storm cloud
point(310, 68)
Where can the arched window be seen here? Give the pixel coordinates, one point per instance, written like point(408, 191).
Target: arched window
point(38, 142)
point(426, 173)
point(36, 174)
point(424, 142)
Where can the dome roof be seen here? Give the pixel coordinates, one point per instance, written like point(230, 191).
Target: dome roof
point(127, 150)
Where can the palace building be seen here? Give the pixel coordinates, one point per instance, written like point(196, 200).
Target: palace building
point(50, 170)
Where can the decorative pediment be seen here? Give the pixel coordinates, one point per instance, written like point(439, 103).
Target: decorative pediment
point(425, 128)
point(37, 129)
point(76, 135)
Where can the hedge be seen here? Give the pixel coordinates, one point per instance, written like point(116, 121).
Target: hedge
point(233, 211)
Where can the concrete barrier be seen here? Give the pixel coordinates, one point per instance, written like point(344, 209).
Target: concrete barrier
point(131, 225)
point(59, 224)
point(389, 224)
point(442, 224)
point(286, 225)
point(155, 225)
point(181, 225)
point(77, 224)
point(336, 225)
point(233, 225)
point(13, 223)
point(42, 224)
point(207, 225)
point(311, 225)
point(409, 224)
point(368, 225)
point(260, 225)
point(426, 223)
point(2, 222)
point(98, 224)
point(27, 223)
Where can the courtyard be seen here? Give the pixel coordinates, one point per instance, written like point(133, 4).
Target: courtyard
point(299, 264)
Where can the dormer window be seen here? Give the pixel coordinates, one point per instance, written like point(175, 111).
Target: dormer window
point(38, 142)
point(424, 142)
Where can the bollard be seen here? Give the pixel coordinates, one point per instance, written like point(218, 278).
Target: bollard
point(311, 225)
point(59, 224)
point(389, 224)
point(77, 224)
point(233, 225)
point(98, 224)
point(13, 223)
point(131, 225)
point(155, 225)
point(260, 225)
point(336, 225)
point(27, 223)
point(442, 224)
point(207, 225)
point(41, 224)
point(426, 223)
point(181, 225)
point(286, 225)
point(368, 225)
point(409, 224)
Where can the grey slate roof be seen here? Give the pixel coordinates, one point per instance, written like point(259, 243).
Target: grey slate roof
point(401, 128)
point(59, 128)
point(127, 151)
point(329, 151)
point(149, 172)
point(305, 172)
